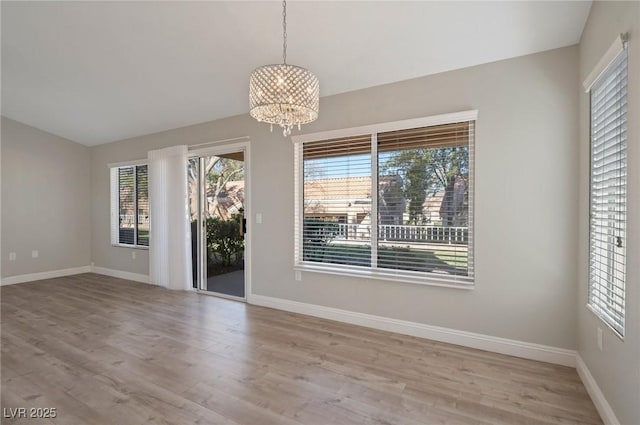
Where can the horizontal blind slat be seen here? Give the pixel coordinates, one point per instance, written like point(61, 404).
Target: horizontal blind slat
point(607, 260)
point(337, 184)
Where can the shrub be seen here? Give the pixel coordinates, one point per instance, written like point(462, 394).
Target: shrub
point(317, 233)
point(224, 238)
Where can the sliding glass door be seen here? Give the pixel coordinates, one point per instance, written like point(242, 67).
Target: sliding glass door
point(217, 205)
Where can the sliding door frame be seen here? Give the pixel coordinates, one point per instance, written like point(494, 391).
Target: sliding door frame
point(218, 150)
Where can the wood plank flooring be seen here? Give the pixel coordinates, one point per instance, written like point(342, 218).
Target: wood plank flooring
point(107, 351)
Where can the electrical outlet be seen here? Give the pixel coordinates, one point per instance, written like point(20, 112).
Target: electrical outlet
point(12, 256)
point(133, 255)
point(298, 275)
point(600, 338)
point(35, 253)
point(259, 218)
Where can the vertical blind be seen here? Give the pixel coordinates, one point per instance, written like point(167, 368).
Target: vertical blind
point(398, 201)
point(608, 190)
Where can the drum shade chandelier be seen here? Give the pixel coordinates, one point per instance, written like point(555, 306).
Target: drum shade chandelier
point(283, 94)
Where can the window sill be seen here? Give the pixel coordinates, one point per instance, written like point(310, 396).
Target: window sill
point(379, 274)
point(600, 316)
point(124, 245)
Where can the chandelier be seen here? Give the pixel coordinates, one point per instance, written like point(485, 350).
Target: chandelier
point(283, 94)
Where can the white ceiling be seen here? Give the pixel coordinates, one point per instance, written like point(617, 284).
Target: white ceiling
point(98, 72)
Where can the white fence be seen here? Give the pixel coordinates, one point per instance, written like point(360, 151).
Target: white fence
point(400, 232)
point(127, 220)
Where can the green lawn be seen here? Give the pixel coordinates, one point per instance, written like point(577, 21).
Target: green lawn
point(397, 258)
point(143, 237)
point(455, 259)
point(126, 236)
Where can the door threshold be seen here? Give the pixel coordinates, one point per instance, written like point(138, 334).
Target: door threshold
point(219, 295)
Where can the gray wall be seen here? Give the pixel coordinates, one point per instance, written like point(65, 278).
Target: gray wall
point(45, 201)
point(526, 199)
point(617, 367)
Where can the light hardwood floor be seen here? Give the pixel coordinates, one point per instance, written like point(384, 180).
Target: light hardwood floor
point(108, 351)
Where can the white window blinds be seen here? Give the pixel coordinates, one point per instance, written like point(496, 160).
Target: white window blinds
point(126, 205)
point(142, 206)
point(130, 205)
point(608, 189)
point(423, 199)
point(337, 201)
point(392, 202)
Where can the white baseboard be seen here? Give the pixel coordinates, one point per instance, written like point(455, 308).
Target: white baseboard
point(511, 347)
point(12, 280)
point(599, 400)
point(137, 277)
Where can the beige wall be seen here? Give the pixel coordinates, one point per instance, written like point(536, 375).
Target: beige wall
point(526, 161)
point(617, 367)
point(45, 201)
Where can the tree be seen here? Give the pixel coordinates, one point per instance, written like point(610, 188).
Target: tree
point(391, 202)
point(223, 171)
point(317, 234)
point(452, 165)
point(432, 170)
point(452, 208)
point(218, 171)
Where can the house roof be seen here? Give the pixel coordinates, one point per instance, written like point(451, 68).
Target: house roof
point(355, 188)
point(338, 188)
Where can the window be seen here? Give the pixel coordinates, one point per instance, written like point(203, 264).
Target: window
point(391, 201)
point(130, 206)
point(608, 194)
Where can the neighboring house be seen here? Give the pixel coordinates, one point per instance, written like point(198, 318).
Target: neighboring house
point(344, 199)
point(347, 200)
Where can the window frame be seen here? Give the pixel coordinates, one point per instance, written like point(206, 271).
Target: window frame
point(115, 203)
point(403, 276)
point(603, 70)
